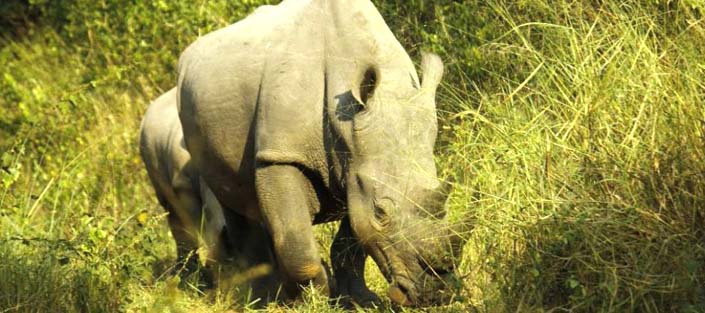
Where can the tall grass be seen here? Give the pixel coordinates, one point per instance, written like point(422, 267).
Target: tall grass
point(585, 164)
point(575, 131)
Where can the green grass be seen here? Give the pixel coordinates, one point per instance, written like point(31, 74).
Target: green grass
point(575, 132)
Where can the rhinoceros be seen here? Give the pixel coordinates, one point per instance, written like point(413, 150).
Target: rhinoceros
point(309, 112)
point(195, 215)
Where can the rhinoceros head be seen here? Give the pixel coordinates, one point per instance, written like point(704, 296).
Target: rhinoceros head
point(395, 199)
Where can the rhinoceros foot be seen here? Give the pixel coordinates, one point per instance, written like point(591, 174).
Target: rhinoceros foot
point(350, 294)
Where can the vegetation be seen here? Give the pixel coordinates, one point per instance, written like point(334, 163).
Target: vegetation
point(574, 130)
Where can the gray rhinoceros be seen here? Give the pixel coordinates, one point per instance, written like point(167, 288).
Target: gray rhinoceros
point(195, 216)
point(309, 112)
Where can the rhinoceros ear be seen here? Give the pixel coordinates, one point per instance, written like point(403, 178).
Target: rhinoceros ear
point(432, 67)
point(365, 84)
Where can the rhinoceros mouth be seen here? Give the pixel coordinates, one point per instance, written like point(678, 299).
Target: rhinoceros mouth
point(399, 295)
point(426, 287)
point(408, 275)
point(402, 288)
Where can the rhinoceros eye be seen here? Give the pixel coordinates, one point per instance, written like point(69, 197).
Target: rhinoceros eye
point(380, 214)
point(382, 209)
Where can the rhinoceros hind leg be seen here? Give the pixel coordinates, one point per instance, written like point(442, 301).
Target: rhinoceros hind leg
point(247, 246)
point(184, 220)
point(348, 259)
point(284, 195)
point(186, 246)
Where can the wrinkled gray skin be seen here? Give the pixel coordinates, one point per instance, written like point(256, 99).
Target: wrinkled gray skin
point(196, 218)
point(195, 215)
point(311, 111)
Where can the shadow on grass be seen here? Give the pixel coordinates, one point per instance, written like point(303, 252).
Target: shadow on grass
point(605, 259)
point(40, 280)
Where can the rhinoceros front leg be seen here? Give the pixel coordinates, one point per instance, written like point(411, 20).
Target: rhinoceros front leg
point(348, 260)
point(284, 195)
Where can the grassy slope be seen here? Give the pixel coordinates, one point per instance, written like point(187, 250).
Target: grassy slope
point(575, 133)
